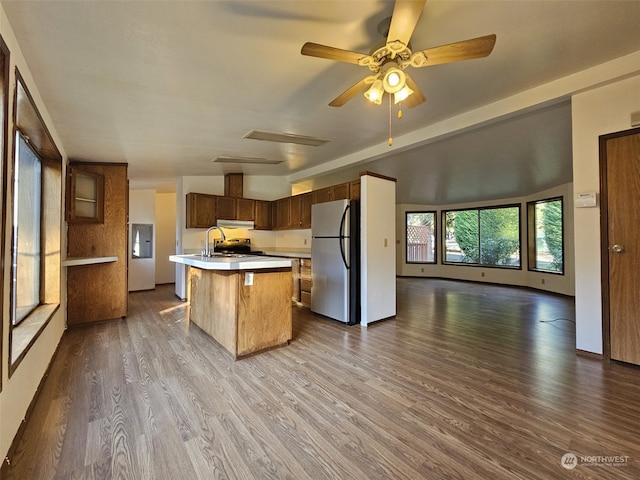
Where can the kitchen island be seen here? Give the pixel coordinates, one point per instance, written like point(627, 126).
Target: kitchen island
point(242, 301)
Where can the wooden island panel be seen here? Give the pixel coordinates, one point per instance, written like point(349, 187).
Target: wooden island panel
point(264, 311)
point(244, 319)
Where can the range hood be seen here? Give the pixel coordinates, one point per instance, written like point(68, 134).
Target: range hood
point(247, 224)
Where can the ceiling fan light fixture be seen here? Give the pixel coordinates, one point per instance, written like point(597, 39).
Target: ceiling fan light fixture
point(402, 94)
point(394, 80)
point(375, 93)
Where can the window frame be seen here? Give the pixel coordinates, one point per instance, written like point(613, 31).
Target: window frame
point(28, 122)
point(435, 237)
point(4, 148)
point(532, 235)
point(443, 236)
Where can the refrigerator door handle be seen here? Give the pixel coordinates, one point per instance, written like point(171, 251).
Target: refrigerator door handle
point(342, 237)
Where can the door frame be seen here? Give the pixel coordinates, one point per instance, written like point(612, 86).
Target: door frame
point(604, 238)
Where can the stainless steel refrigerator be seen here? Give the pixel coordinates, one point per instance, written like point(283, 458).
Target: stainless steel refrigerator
point(335, 260)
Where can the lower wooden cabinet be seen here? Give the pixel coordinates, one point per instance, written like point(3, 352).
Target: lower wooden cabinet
point(305, 282)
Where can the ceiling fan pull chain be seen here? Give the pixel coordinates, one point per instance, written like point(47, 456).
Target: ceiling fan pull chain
point(390, 114)
point(399, 110)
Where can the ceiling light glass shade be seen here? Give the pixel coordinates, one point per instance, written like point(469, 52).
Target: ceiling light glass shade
point(375, 93)
point(394, 80)
point(402, 94)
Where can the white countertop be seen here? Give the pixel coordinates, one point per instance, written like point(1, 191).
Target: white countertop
point(231, 263)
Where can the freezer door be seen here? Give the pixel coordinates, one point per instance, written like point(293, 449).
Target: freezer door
point(330, 279)
point(326, 217)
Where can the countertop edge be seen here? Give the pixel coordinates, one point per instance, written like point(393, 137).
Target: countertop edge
point(75, 261)
point(247, 263)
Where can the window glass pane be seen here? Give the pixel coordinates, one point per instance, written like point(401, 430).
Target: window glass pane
point(26, 231)
point(549, 241)
point(462, 236)
point(421, 237)
point(500, 236)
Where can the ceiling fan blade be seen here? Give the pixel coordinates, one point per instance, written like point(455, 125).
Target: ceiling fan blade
point(454, 52)
point(348, 94)
point(417, 97)
point(331, 53)
point(404, 19)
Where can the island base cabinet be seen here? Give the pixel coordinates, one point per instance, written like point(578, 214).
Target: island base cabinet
point(243, 316)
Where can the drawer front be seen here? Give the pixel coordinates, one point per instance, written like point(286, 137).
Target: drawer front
point(305, 285)
point(305, 262)
point(305, 297)
point(305, 272)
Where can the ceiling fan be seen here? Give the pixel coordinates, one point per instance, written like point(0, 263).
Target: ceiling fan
point(388, 62)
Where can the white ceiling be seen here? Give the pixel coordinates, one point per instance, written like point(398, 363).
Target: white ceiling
point(168, 86)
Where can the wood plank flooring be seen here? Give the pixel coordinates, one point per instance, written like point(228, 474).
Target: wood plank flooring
point(468, 381)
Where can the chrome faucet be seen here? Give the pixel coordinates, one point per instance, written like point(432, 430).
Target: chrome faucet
point(207, 250)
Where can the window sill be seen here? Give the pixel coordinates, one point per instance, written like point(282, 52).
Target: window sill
point(25, 333)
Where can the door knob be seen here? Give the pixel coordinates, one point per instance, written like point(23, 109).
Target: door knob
point(617, 249)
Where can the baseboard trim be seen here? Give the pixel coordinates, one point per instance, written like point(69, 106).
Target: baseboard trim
point(586, 354)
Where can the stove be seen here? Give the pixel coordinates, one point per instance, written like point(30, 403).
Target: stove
point(235, 245)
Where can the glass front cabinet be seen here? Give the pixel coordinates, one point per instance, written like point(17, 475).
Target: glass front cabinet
point(85, 196)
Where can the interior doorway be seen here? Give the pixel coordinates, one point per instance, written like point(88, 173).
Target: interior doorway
point(620, 234)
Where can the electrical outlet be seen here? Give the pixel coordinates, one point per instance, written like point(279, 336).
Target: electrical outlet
point(482, 274)
point(386, 241)
point(542, 281)
point(248, 279)
point(422, 270)
point(305, 241)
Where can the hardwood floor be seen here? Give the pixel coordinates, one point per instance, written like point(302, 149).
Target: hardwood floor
point(469, 381)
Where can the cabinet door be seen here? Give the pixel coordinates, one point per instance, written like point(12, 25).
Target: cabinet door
point(262, 215)
point(306, 199)
point(233, 185)
point(283, 213)
point(340, 192)
point(294, 213)
point(322, 195)
point(85, 196)
point(226, 208)
point(245, 209)
point(201, 210)
point(354, 190)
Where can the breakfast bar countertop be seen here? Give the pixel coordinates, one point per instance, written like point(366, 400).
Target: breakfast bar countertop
point(220, 262)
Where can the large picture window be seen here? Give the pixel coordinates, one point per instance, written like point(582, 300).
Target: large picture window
point(483, 236)
point(27, 201)
point(421, 234)
point(36, 207)
point(545, 235)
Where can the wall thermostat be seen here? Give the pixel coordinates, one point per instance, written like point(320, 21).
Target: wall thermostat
point(585, 200)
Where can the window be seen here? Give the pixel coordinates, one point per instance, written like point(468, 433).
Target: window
point(421, 235)
point(545, 233)
point(27, 199)
point(36, 217)
point(4, 124)
point(483, 236)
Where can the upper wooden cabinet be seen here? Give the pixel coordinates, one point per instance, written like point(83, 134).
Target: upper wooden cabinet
point(245, 209)
point(301, 210)
point(335, 192)
point(262, 218)
point(284, 214)
point(226, 208)
point(201, 210)
point(354, 190)
point(233, 185)
point(85, 196)
point(340, 192)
